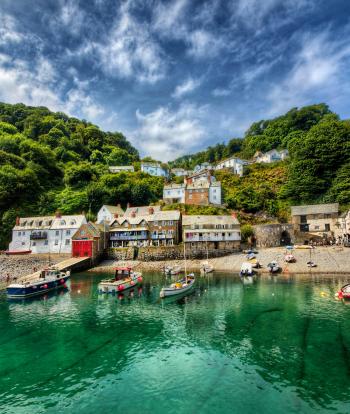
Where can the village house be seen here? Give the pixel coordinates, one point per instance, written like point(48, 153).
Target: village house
point(107, 213)
point(201, 167)
point(154, 168)
point(211, 232)
point(234, 164)
point(200, 188)
point(319, 219)
point(140, 210)
point(49, 234)
point(90, 240)
point(180, 172)
point(152, 229)
point(270, 156)
point(121, 168)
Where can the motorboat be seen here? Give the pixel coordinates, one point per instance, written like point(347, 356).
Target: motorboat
point(183, 285)
point(289, 258)
point(247, 269)
point(206, 267)
point(125, 278)
point(172, 270)
point(344, 292)
point(48, 279)
point(273, 267)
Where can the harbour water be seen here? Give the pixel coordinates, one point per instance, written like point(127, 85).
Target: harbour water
point(280, 345)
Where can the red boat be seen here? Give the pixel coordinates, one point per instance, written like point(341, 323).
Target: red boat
point(16, 252)
point(344, 292)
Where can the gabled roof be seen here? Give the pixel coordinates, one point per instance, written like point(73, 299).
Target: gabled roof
point(205, 219)
point(140, 211)
point(113, 209)
point(315, 209)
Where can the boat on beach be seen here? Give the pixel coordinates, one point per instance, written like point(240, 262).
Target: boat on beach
point(49, 279)
point(273, 267)
point(344, 292)
point(289, 258)
point(125, 278)
point(172, 270)
point(16, 252)
point(206, 267)
point(247, 269)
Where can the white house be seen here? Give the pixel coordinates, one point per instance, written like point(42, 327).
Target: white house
point(121, 168)
point(108, 213)
point(271, 156)
point(153, 168)
point(174, 193)
point(233, 163)
point(49, 234)
point(201, 167)
point(180, 172)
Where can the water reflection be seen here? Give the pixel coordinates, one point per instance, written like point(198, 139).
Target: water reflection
point(276, 338)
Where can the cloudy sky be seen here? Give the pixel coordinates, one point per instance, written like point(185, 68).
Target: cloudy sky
point(175, 76)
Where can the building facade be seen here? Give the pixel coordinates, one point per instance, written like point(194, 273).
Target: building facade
point(90, 240)
point(49, 234)
point(108, 213)
point(319, 219)
point(155, 169)
point(211, 232)
point(160, 228)
point(236, 165)
point(271, 156)
point(115, 169)
point(180, 172)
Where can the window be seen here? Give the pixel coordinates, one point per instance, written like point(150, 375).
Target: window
point(303, 219)
point(19, 233)
point(23, 243)
point(46, 242)
point(56, 242)
point(34, 244)
point(24, 233)
point(73, 222)
point(67, 232)
point(327, 227)
point(67, 242)
point(317, 227)
point(57, 232)
point(63, 222)
point(327, 216)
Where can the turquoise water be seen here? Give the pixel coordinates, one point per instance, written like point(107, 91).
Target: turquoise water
point(277, 346)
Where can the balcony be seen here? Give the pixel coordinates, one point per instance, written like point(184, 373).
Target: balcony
point(128, 236)
point(40, 235)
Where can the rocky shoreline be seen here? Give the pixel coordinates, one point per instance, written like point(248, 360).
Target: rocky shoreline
point(329, 260)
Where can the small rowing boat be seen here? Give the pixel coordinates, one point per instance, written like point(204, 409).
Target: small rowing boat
point(181, 286)
point(273, 267)
point(172, 270)
point(247, 269)
point(206, 267)
point(344, 292)
point(125, 278)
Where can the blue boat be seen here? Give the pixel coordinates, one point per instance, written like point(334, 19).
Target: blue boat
point(48, 279)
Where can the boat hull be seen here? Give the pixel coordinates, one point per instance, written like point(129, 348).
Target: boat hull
point(119, 286)
point(18, 252)
point(28, 291)
point(167, 292)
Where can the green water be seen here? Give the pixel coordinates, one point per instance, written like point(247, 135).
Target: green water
point(277, 346)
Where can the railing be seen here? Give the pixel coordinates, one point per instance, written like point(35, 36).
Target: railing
point(128, 237)
point(39, 236)
point(162, 236)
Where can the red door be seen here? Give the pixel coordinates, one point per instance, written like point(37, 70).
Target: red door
point(82, 248)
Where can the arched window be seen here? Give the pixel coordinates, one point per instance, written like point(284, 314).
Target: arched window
point(63, 222)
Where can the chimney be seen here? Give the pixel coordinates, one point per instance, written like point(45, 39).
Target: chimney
point(116, 215)
point(58, 214)
point(17, 221)
point(151, 210)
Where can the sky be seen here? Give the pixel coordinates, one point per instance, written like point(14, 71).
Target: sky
point(175, 76)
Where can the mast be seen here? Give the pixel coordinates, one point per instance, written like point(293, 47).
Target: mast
point(185, 260)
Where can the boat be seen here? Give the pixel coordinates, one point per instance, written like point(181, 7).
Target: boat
point(181, 286)
point(125, 278)
point(172, 270)
point(273, 267)
point(289, 258)
point(344, 292)
point(247, 269)
point(206, 267)
point(48, 279)
point(16, 252)
point(311, 264)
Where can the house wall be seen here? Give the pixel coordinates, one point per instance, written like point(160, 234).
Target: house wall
point(198, 196)
point(215, 194)
point(317, 222)
point(156, 171)
point(174, 195)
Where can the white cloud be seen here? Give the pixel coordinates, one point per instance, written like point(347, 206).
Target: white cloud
point(217, 92)
point(8, 30)
point(166, 134)
point(320, 69)
point(186, 87)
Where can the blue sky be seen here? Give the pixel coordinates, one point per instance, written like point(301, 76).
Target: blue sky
point(175, 76)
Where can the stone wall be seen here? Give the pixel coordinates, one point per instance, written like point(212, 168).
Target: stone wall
point(273, 235)
point(122, 253)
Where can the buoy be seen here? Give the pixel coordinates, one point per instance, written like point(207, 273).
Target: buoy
point(340, 294)
point(62, 281)
point(139, 279)
point(132, 283)
point(45, 286)
point(120, 288)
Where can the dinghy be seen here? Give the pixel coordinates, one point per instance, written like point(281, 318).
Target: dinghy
point(273, 267)
point(206, 267)
point(344, 292)
point(172, 270)
point(247, 269)
point(125, 278)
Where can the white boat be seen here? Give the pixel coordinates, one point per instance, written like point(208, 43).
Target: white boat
point(125, 278)
point(247, 269)
point(206, 267)
point(172, 270)
point(289, 258)
point(183, 285)
point(273, 267)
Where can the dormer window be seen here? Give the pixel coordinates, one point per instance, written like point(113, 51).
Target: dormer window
point(24, 223)
point(63, 222)
point(40, 223)
point(73, 222)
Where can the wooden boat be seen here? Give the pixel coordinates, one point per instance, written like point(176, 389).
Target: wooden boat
point(206, 267)
point(344, 292)
point(247, 269)
point(311, 264)
point(49, 279)
point(273, 267)
point(172, 270)
point(124, 279)
point(16, 252)
point(183, 285)
point(289, 258)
